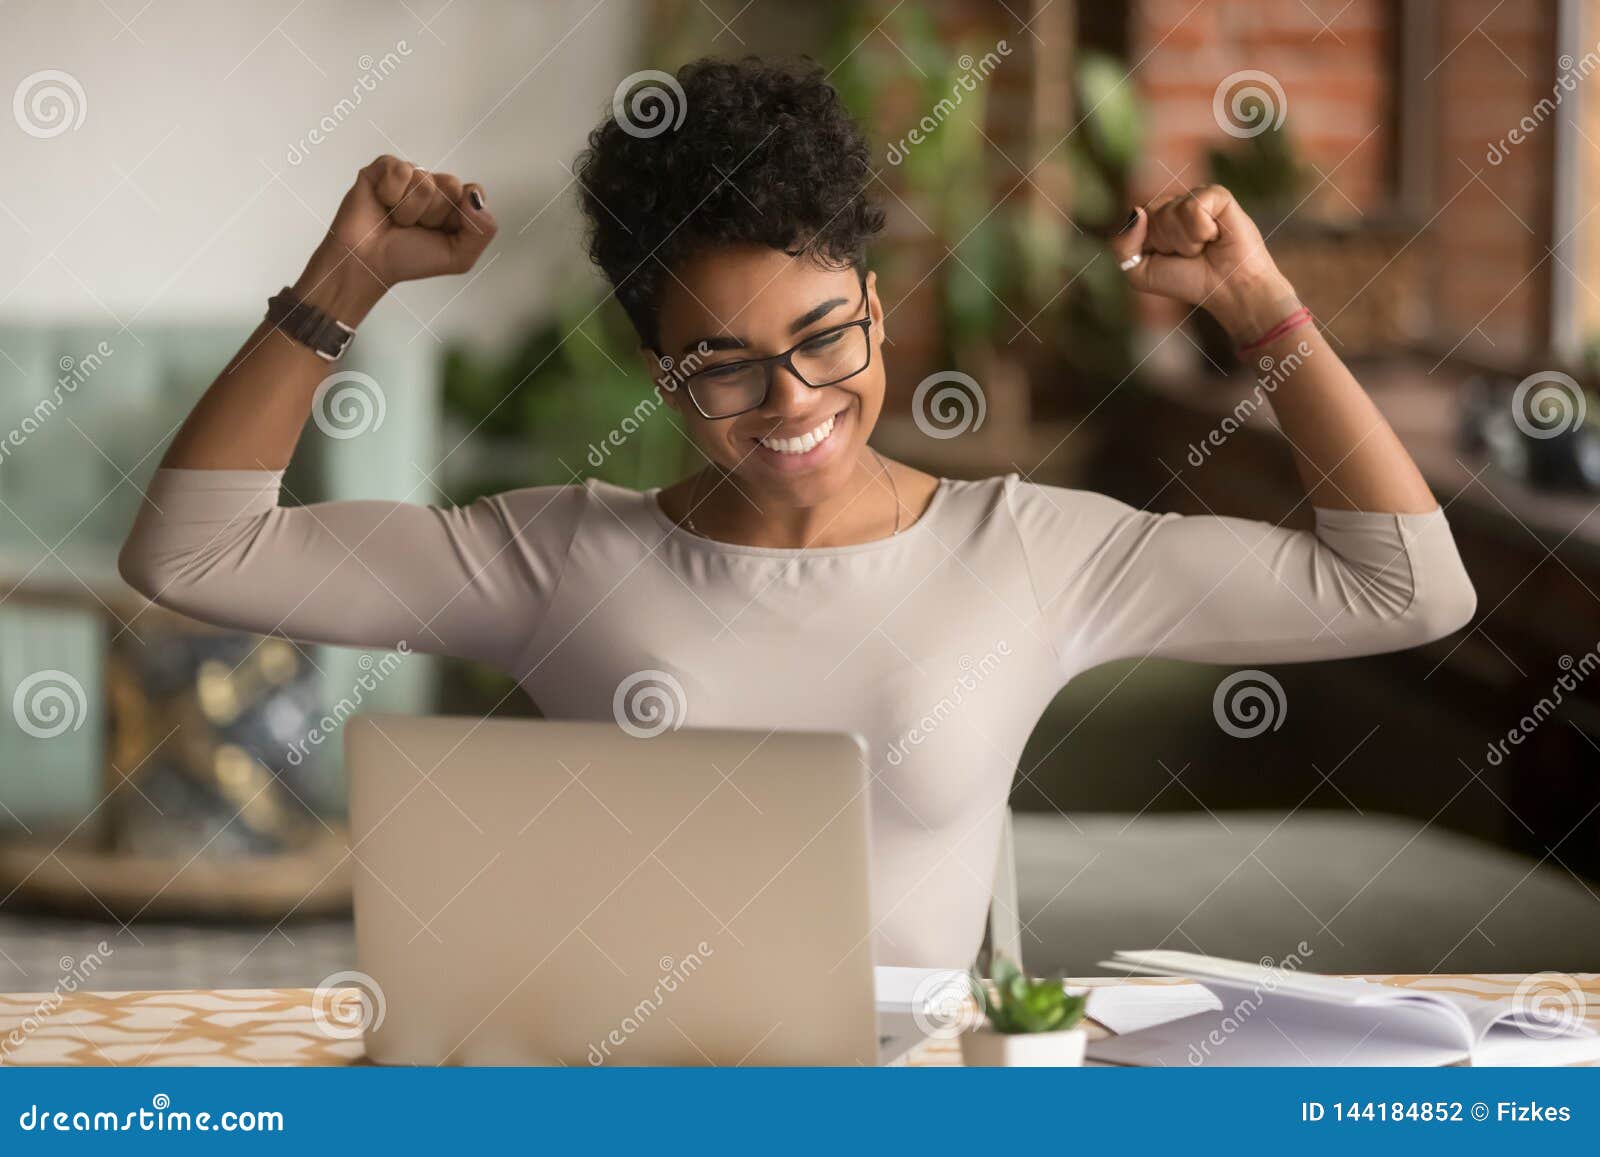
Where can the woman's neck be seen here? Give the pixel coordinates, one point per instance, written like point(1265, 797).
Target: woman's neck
point(881, 498)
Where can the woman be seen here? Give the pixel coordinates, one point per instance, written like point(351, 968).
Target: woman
point(798, 580)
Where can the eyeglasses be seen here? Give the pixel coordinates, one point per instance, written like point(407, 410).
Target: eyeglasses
point(823, 359)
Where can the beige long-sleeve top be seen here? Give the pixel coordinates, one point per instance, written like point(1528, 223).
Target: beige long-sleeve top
point(941, 646)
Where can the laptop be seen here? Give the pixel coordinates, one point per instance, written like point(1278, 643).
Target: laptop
point(532, 892)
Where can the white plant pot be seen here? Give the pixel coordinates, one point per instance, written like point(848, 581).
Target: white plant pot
point(986, 1048)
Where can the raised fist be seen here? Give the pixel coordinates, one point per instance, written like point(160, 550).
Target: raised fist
point(397, 223)
point(1202, 249)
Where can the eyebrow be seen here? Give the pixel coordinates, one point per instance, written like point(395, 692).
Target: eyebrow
point(729, 342)
point(811, 317)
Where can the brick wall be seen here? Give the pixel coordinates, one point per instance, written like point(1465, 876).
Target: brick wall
point(1588, 237)
point(1490, 280)
point(1331, 59)
point(1332, 81)
point(1453, 254)
point(1479, 229)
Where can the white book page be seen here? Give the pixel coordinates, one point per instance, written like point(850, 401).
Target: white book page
point(1309, 985)
point(1506, 1045)
point(1494, 1017)
point(1125, 1008)
point(1305, 1033)
point(1312, 1014)
point(1505, 1033)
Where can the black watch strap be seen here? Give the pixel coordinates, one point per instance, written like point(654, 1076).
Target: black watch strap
point(327, 337)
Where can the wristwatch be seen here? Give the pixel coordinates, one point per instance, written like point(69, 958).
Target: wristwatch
point(327, 337)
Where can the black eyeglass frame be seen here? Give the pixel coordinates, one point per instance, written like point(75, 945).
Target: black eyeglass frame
point(786, 360)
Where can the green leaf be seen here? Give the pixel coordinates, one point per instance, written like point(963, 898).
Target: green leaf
point(1113, 106)
point(1073, 1010)
point(1005, 972)
point(1023, 1005)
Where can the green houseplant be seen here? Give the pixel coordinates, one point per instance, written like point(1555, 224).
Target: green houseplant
point(958, 189)
point(1026, 1022)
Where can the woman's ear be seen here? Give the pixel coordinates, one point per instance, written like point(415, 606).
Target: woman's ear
point(874, 306)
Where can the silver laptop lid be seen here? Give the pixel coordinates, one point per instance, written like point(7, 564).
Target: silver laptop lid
point(534, 892)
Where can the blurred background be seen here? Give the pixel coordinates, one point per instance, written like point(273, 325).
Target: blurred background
point(1425, 172)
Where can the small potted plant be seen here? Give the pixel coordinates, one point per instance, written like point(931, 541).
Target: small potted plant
point(1032, 1023)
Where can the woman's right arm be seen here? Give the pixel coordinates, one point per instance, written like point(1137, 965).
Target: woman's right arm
point(397, 223)
point(212, 542)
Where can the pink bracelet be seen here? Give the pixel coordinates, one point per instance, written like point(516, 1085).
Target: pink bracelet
point(1294, 321)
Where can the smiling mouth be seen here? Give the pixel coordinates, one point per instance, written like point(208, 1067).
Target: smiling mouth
point(803, 444)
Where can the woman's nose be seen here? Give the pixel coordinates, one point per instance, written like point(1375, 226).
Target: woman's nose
point(786, 394)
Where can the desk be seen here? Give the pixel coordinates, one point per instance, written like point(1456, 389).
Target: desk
point(276, 1026)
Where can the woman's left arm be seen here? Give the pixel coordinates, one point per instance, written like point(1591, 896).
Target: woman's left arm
point(1202, 249)
point(1380, 571)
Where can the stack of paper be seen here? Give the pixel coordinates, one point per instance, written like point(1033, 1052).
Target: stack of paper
point(1278, 1016)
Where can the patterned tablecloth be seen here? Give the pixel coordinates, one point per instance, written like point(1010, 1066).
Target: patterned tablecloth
point(286, 1026)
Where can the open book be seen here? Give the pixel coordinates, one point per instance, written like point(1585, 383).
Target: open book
point(1279, 1016)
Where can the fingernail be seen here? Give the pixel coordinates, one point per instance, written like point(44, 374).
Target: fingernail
point(477, 199)
point(1128, 224)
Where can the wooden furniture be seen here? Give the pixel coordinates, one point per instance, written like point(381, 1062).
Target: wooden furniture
point(289, 1026)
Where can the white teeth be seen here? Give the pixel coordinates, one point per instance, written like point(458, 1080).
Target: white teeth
point(804, 442)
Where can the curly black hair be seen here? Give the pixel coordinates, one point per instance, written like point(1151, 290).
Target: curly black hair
point(755, 151)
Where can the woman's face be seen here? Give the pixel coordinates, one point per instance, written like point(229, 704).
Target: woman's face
point(801, 445)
